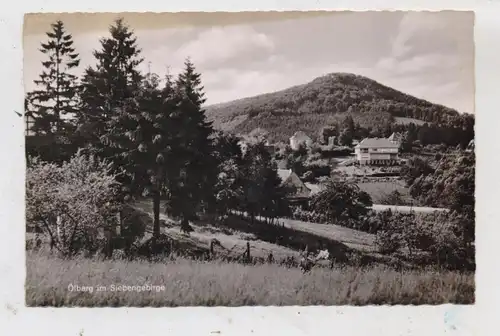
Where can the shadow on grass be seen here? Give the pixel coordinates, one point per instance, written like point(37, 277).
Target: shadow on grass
point(298, 240)
point(272, 233)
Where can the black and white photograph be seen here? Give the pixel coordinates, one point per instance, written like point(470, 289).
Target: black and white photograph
point(307, 158)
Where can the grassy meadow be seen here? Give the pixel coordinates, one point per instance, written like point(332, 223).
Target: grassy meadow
point(195, 283)
point(380, 189)
point(188, 282)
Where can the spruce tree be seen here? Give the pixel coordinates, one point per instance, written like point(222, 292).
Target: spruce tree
point(147, 139)
point(193, 174)
point(109, 89)
point(53, 104)
point(130, 115)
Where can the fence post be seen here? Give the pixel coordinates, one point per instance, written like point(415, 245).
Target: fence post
point(248, 251)
point(270, 257)
point(118, 228)
point(59, 229)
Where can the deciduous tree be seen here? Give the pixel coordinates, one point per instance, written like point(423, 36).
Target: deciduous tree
point(341, 201)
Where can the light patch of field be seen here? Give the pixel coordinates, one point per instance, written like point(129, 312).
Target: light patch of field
point(352, 238)
point(236, 240)
point(235, 244)
point(406, 121)
point(377, 190)
point(183, 282)
point(407, 209)
point(233, 241)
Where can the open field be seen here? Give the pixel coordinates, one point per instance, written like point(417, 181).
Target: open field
point(193, 283)
point(234, 233)
point(358, 240)
point(379, 189)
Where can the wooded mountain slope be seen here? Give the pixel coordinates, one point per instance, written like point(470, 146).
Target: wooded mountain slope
point(310, 106)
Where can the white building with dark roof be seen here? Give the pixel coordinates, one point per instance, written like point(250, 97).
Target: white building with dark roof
point(300, 139)
point(377, 151)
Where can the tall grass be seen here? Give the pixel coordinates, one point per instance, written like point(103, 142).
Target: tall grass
point(194, 283)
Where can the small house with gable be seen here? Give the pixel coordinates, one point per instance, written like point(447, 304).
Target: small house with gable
point(292, 182)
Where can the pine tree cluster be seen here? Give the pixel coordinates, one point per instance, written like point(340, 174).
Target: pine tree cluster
point(152, 130)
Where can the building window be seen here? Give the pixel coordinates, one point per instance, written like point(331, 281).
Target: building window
point(364, 150)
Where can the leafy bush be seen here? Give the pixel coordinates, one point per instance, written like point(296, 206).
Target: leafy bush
point(134, 226)
point(318, 169)
point(74, 203)
point(308, 216)
point(452, 244)
point(334, 151)
point(441, 236)
point(341, 201)
point(392, 198)
point(388, 241)
point(373, 221)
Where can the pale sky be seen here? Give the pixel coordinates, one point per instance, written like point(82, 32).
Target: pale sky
point(428, 55)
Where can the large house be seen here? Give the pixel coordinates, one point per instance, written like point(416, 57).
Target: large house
point(377, 151)
point(300, 139)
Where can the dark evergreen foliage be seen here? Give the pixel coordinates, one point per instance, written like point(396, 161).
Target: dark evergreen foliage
point(53, 104)
point(109, 90)
point(192, 175)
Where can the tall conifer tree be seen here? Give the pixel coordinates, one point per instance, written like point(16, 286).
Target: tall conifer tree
point(109, 89)
point(193, 175)
point(56, 99)
point(146, 140)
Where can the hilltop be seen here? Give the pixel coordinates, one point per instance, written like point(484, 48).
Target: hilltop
point(310, 106)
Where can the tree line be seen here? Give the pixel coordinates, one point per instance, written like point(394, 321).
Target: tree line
point(456, 131)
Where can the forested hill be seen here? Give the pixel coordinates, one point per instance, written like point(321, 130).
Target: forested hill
point(310, 106)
